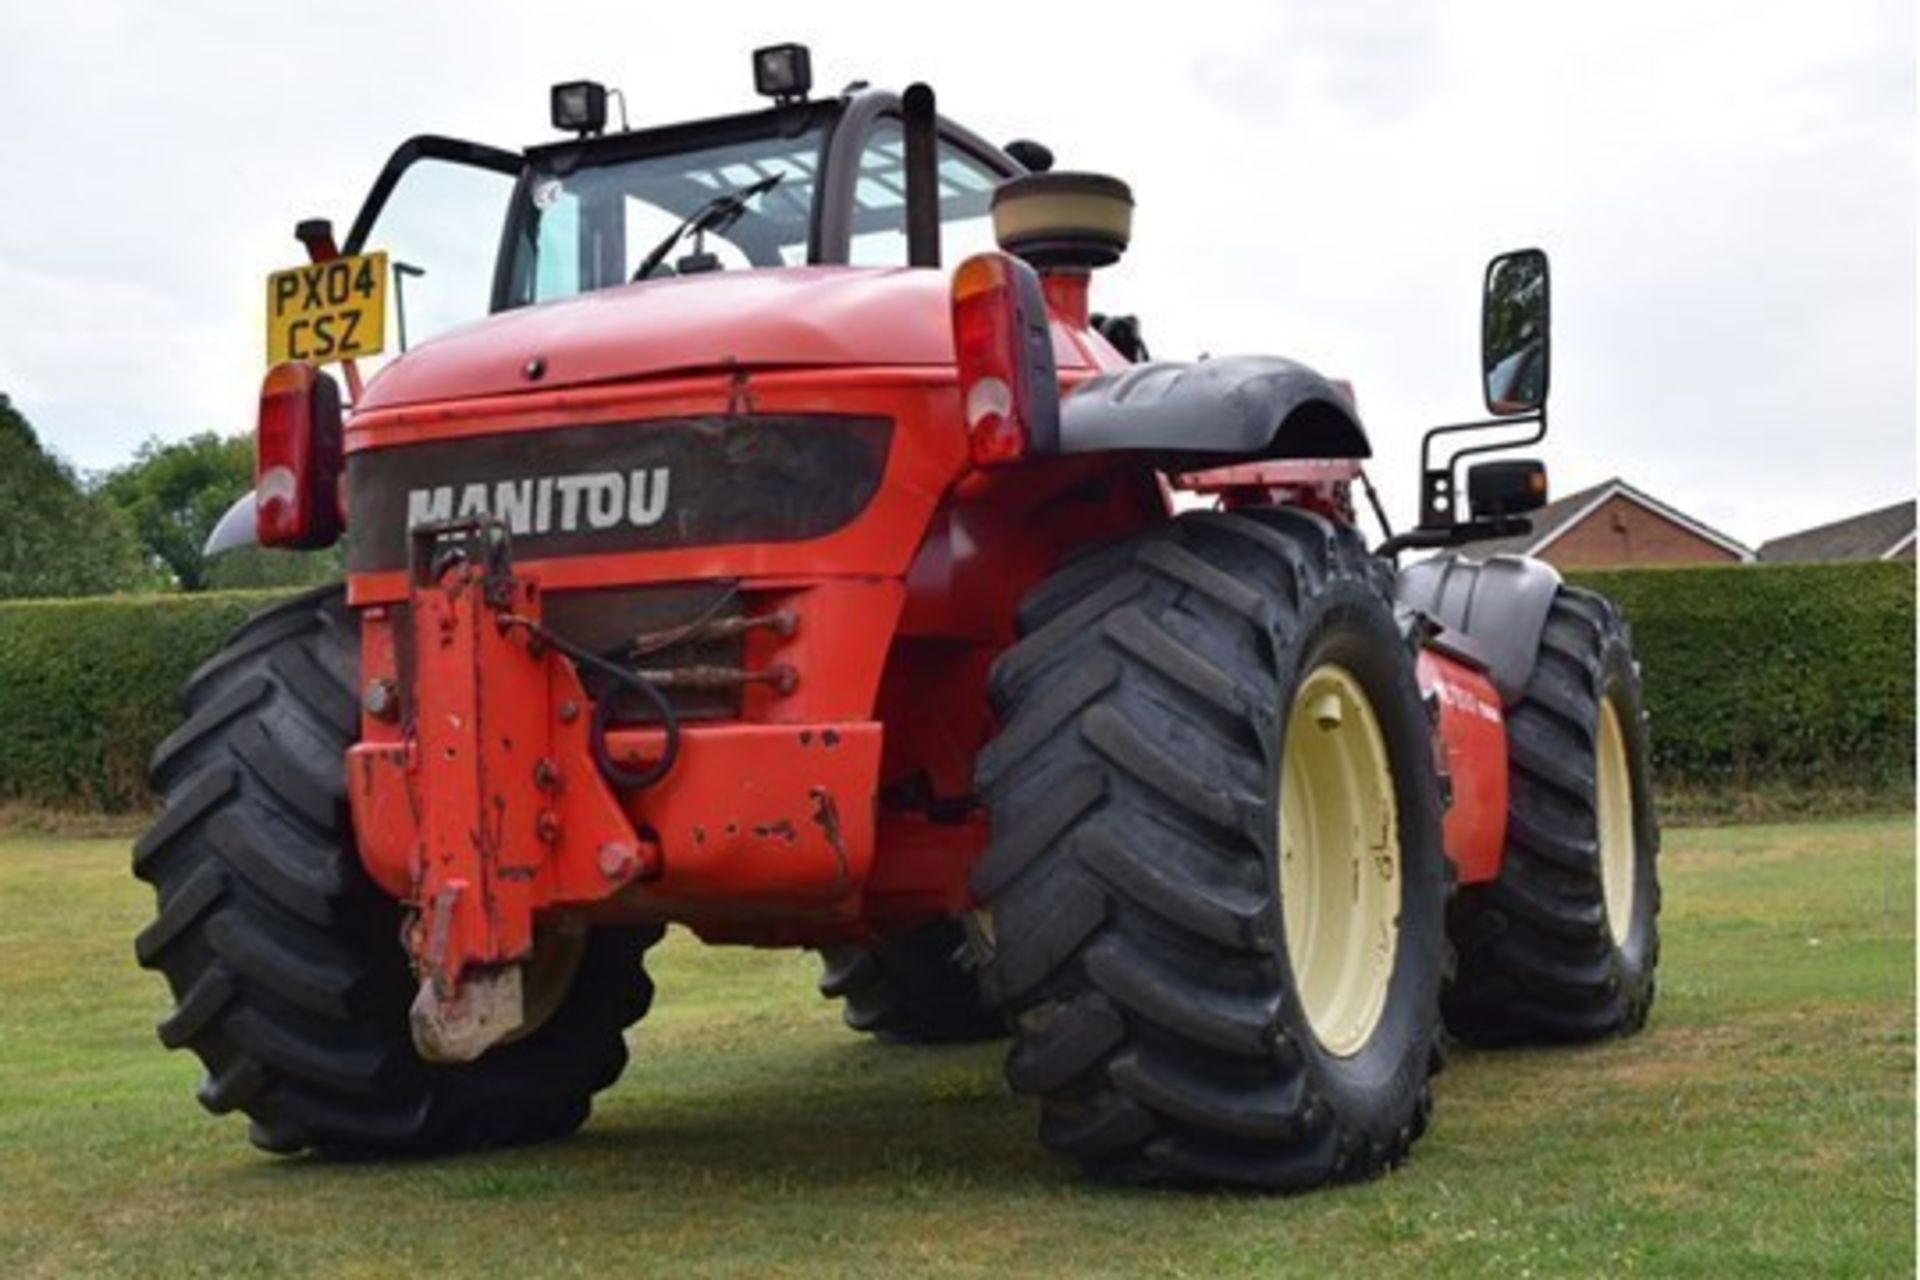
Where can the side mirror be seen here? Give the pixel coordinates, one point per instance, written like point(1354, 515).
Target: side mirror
point(1515, 346)
point(1516, 333)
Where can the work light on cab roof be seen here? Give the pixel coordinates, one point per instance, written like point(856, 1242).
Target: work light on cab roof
point(580, 106)
point(783, 72)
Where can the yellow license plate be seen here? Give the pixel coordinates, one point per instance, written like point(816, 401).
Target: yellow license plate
point(328, 311)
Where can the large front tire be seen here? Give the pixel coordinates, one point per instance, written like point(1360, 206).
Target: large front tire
point(284, 959)
point(1186, 713)
point(1562, 947)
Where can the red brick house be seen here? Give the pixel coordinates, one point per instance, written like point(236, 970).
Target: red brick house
point(1614, 525)
point(1886, 534)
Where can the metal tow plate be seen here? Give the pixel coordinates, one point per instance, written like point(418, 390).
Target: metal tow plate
point(490, 1007)
point(328, 311)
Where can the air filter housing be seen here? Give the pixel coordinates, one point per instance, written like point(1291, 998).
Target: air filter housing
point(1063, 221)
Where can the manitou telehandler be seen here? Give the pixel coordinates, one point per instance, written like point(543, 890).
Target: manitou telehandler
point(787, 552)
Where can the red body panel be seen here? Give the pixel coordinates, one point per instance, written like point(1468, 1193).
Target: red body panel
point(493, 809)
point(771, 828)
point(799, 317)
point(926, 467)
point(1472, 744)
point(835, 808)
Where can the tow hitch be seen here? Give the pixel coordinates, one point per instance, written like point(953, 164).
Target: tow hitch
point(501, 774)
point(499, 801)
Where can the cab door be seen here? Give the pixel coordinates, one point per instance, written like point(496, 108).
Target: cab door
point(438, 210)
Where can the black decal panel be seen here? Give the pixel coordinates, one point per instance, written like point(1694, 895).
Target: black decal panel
point(630, 486)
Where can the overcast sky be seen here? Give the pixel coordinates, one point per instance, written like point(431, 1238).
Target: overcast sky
point(1727, 192)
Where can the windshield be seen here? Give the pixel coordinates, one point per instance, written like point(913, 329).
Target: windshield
point(588, 228)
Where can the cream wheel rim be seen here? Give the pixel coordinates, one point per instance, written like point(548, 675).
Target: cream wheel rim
point(1613, 804)
point(546, 978)
point(1339, 856)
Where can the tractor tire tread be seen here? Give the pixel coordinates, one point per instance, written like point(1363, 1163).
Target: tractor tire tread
point(1537, 962)
point(1133, 937)
point(283, 957)
point(916, 988)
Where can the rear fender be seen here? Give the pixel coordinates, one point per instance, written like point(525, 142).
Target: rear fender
point(1493, 611)
point(1213, 412)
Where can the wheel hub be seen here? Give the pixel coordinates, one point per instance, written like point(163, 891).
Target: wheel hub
point(1339, 859)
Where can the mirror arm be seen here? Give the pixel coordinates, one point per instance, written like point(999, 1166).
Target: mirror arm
point(1437, 482)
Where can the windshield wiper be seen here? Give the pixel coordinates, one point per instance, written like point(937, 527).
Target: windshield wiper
point(715, 215)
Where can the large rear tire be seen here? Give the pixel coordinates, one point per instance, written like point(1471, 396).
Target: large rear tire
point(284, 959)
point(1208, 984)
point(1563, 945)
point(918, 988)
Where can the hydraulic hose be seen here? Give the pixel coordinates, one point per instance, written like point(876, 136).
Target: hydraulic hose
point(618, 776)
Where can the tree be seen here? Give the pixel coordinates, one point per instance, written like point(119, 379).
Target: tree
point(56, 539)
point(173, 494)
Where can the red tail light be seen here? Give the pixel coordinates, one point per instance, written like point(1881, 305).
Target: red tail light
point(1004, 353)
point(296, 467)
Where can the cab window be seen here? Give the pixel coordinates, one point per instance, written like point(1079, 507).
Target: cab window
point(880, 201)
point(592, 227)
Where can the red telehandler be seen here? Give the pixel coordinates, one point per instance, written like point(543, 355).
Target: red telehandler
point(788, 552)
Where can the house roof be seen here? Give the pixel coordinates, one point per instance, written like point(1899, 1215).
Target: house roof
point(1872, 535)
point(1560, 516)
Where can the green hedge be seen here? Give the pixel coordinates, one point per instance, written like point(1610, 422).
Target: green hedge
point(89, 687)
point(1784, 676)
point(1776, 675)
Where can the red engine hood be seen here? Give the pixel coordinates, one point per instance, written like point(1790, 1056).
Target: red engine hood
point(790, 316)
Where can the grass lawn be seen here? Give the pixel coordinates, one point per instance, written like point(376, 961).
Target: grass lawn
point(1762, 1126)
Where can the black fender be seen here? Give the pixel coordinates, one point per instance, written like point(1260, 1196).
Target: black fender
point(1213, 412)
point(1499, 605)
